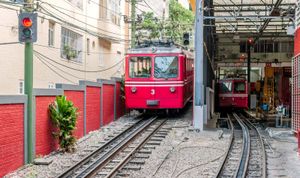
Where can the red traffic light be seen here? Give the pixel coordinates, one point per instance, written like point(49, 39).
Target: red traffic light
point(250, 41)
point(27, 22)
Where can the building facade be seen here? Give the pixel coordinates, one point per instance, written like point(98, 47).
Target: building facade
point(77, 40)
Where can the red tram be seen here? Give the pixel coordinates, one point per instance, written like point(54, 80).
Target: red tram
point(233, 93)
point(158, 78)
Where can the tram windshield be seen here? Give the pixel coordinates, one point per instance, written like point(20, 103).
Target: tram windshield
point(140, 67)
point(239, 87)
point(226, 87)
point(166, 67)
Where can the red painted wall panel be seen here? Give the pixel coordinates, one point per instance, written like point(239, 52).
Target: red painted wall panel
point(77, 97)
point(108, 103)
point(297, 42)
point(11, 137)
point(93, 108)
point(45, 142)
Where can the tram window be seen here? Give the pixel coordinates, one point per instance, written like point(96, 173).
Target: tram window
point(226, 87)
point(239, 87)
point(166, 67)
point(140, 67)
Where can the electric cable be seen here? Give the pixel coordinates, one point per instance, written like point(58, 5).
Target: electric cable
point(79, 70)
point(40, 58)
point(82, 21)
point(56, 72)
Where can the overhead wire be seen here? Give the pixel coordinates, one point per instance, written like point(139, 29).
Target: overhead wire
point(52, 47)
point(41, 58)
point(55, 71)
point(80, 14)
point(93, 33)
point(79, 70)
point(72, 17)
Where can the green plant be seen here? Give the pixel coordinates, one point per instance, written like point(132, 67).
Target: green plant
point(69, 52)
point(64, 115)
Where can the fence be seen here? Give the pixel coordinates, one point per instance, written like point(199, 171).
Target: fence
point(99, 104)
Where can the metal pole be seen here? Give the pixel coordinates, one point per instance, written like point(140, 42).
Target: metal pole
point(199, 63)
point(249, 74)
point(28, 82)
point(133, 23)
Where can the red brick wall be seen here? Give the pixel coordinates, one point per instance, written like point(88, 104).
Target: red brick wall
point(11, 137)
point(297, 42)
point(108, 103)
point(92, 108)
point(45, 142)
point(77, 97)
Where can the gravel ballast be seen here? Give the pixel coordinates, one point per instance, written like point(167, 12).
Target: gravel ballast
point(61, 161)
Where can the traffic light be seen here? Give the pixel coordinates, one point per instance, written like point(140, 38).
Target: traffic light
point(186, 39)
point(28, 27)
point(250, 41)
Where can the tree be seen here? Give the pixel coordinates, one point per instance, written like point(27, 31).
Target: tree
point(180, 20)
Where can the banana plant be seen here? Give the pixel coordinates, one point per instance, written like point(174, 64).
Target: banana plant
point(64, 115)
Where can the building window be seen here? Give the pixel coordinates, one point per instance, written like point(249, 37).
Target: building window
point(71, 45)
point(21, 86)
point(103, 9)
point(115, 8)
point(243, 46)
point(77, 3)
point(51, 33)
point(88, 46)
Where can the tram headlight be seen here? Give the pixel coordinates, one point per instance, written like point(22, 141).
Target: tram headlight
point(172, 89)
point(133, 89)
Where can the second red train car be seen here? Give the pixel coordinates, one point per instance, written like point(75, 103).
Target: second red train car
point(233, 93)
point(158, 78)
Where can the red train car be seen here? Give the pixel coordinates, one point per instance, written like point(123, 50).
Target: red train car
point(158, 78)
point(233, 93)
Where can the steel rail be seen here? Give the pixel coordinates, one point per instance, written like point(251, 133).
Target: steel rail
point(242, 162)
point(264, 169)
point(241, 172)
point(102, 162)
point(230, 124)
point(130, 155)
point(87, 158)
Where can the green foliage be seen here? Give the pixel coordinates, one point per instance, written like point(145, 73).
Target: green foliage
point(69, 52)
point(180, 20)
point(64, 115)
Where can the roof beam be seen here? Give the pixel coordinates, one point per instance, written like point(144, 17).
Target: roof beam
point(267, 21)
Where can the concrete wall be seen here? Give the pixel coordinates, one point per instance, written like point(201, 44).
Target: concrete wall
point(98, 103)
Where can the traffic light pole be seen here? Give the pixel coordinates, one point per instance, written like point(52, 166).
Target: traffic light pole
point(249, 74)
point(28, 80)
point(28, 91)
point(133, 24)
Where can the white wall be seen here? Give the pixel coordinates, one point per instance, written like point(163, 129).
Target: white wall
point(12, 56)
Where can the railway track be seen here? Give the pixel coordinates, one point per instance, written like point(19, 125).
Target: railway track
point(245, 155)
point(111, 158)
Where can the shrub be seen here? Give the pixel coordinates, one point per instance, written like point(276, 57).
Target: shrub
point(64, 115)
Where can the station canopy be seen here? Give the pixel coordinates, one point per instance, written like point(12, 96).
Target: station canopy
point(255, 17)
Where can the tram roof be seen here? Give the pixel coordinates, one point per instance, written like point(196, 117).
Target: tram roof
point(155, 50)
